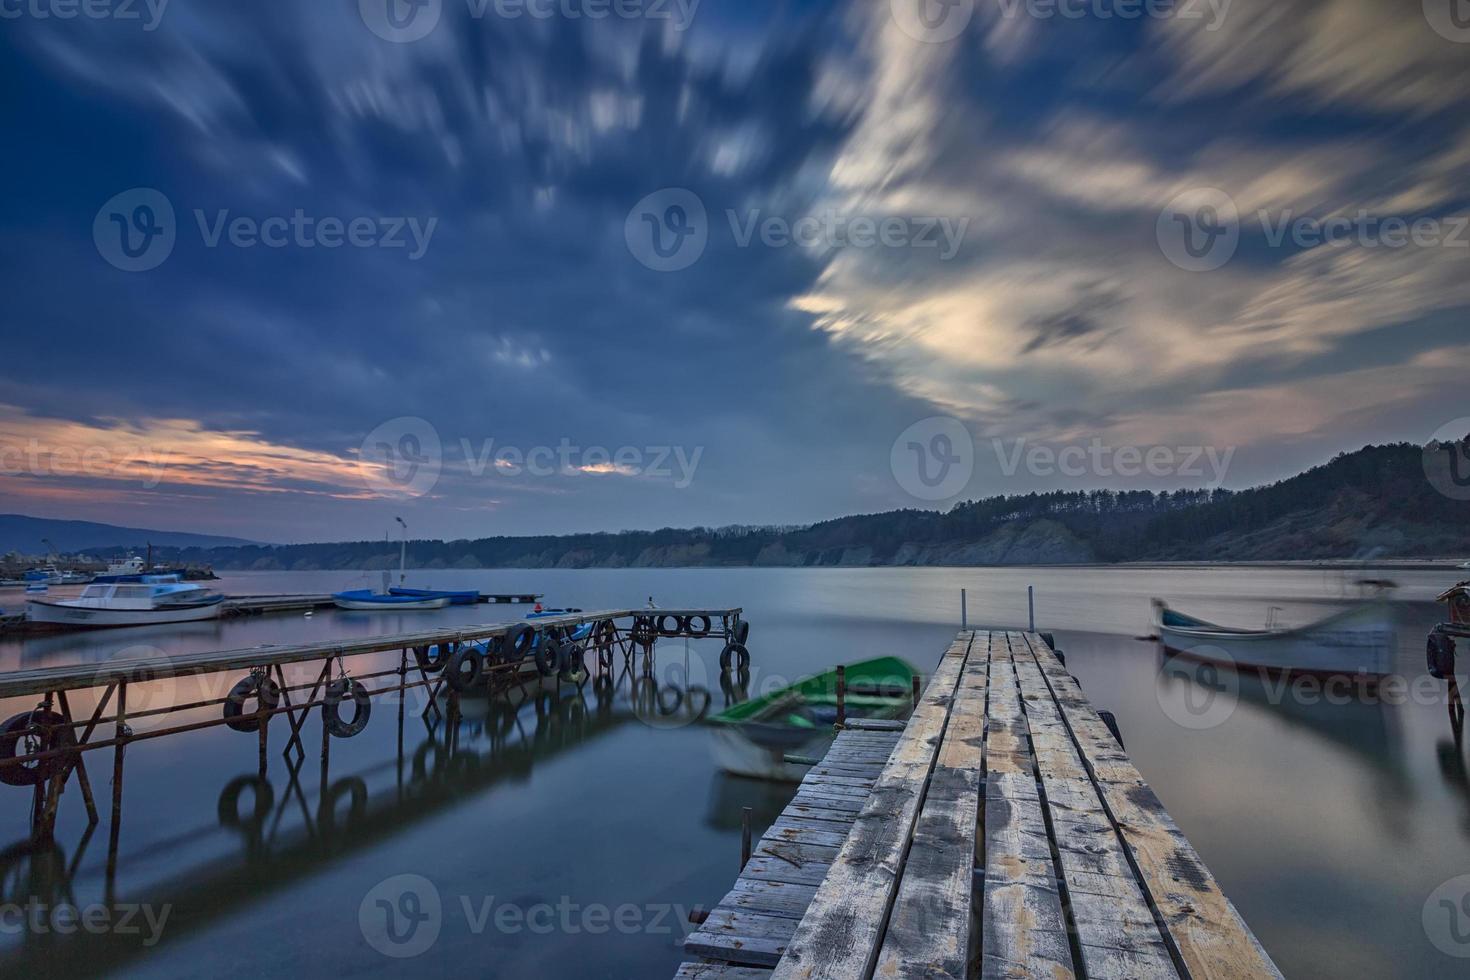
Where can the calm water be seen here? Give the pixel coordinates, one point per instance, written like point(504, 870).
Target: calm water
point(1329, 825)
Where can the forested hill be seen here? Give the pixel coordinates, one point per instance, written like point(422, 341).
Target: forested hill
point(1373, 502)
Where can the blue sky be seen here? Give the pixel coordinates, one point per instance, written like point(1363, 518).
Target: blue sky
point(1024, 176)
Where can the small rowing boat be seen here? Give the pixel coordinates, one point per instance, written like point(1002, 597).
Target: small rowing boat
point(1358, 642)
point(753, 738)
point(366, 600)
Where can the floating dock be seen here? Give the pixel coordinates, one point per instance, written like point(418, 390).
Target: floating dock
point(1002, 833)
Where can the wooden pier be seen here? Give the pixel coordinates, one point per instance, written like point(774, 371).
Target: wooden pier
point(1002, 833)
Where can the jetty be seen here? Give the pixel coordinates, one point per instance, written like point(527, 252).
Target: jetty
point(1001, 832)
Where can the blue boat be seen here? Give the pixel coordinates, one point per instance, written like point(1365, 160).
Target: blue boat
point(365, 600)
point(455, 598)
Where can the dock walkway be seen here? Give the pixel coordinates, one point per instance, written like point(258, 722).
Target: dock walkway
point(1002, 833)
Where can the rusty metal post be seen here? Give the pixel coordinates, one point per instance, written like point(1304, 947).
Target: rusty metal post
point(745, 813)
point(120, 733)
point(917, 694)
point(841, 695)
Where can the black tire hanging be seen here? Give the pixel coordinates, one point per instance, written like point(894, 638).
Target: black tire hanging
point(518, 643)
point(266, 693)
point(697, 626)
point(742, 632)
point(735, 657)
point(30, 733)
point(1440, 655)
point(466, 668)
point(644, 632)
point(573, 661)
point(664, 627)
point(433, 658)
point(345, 689)
point(548, 655)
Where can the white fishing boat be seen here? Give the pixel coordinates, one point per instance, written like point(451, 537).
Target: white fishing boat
point(154, 599)
point(1358, 642)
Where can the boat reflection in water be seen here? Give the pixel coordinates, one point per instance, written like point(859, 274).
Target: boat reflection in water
point(288, 832)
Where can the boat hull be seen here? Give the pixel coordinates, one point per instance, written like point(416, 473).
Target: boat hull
point(740, 756)
point(455, 598)
point(368, 602)
point(85, 617)
point(1359, 643)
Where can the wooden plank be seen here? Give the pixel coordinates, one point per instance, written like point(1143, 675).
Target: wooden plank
point(1024, 930)
point(840, 934)
point(719, 971)
point(875, 725)
point(929, 931)
point(1115, 928)
point(1204, 930)
point(770, 897)
point(747, 938)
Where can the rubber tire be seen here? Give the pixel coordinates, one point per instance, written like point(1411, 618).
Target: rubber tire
point(663, 625)
point(346, 689)
point(573, 661)
point(38, 772)
point(518, 642)
point(644, 632)
point(735, 651)
point(433, 658)
point(742, 632)
point(1440, 656)
point(700, 631)
point(236, 717)
point(465, 670)
point(549, 656)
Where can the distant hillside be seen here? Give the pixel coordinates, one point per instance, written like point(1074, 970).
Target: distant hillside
point(25, 534)
point(1374, 502)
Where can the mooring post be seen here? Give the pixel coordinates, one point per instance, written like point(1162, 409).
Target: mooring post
point(120, 734)
point(916, 690)
point(964, 611)
point(1031, 607)
point(745, 813)
point(841, 695)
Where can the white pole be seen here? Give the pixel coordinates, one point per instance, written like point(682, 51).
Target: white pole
point(1031, 606)
point(402, 553)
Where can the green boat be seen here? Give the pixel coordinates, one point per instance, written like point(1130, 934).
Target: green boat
point(754, 737)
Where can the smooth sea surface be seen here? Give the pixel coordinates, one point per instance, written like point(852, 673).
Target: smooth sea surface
point(568, 836)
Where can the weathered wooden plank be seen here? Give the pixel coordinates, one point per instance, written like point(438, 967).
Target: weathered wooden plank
point(1116, 931)
point(719, 971)
point(929, 930)
point(770, 897)
point(1202, 927)
point(839, 936)
point(874, 725)
point(1024, 932)
point(761, 868)
point(747, 938)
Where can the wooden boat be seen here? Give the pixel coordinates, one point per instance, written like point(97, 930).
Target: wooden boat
point(1358, 642)
point(753, 738)
point(366, 600)
point(455, 598)
point(154, 599)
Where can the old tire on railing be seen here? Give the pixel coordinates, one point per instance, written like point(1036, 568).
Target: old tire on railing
point(573, 662)
point(1441, 656)
point(266, 693)
point(735, 657)
point(433, 658)
point(340, 690)
point(518, 643)
point(697, 626)
point(29, 733)
point(229, 803)
point(742, 632)
point(644, 632)
point(664, 627)
point(548, 655)
point(465, 669)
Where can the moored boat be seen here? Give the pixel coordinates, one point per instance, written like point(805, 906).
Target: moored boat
point(1359, 642)
point(455, 598)
point(753, 738)
point(366, 600)
point(155, 599)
